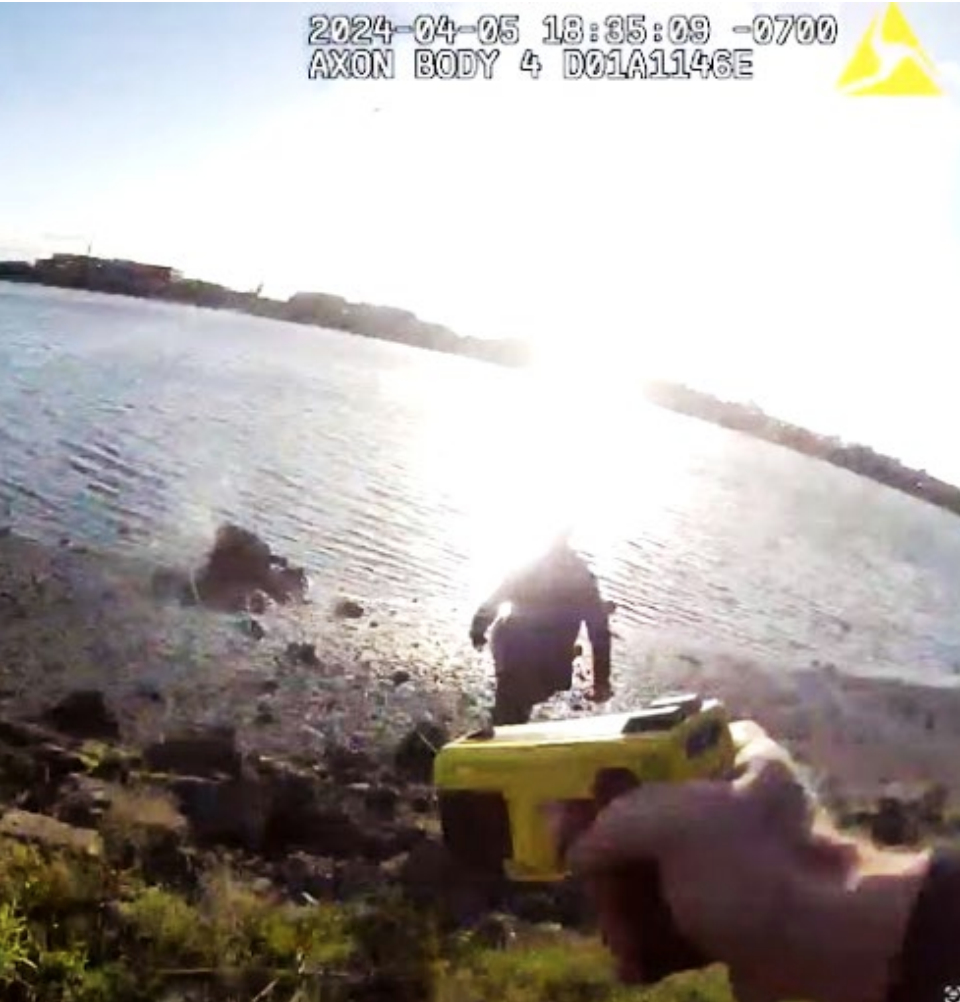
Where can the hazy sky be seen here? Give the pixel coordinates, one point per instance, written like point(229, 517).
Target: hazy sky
point(771, 239)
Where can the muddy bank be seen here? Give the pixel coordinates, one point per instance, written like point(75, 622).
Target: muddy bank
point(288, 680)
point(332, 669)
point(859, 735)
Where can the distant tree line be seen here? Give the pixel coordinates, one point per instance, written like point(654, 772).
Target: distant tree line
point(391, 324)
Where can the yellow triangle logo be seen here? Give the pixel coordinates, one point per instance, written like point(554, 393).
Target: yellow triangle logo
point(890, 61)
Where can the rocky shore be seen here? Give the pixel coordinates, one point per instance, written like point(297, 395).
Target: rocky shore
point(331, 828)
point(225, 645)
point(151, 721)
point(289, 677)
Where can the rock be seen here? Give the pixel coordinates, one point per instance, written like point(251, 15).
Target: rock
point(258, 603)
point(348, 608)
point(430, 876)
point(494, 932)
point(31, 773)
point(303, 654)
point(50, 833)
point(240, 566)
point(382, 802)
point(254, 628)
point(149, 693)
point(564, 903)
point(231, 812)
point(211, 752)
point(536, 907)
point(84, 714)
point(383, 840)
point(356, 877)
point(265, 715)
point(349, 765)
point(329, 831)
point(166, 584)
point(307, 876)
point(400, 676)
point(22, 734)
point(114, 766)
point(414, 756)
point(19, 771)
point(306, 814)
point(142, 827)
point(896, 822)
point(84, 800)
point(57, 762)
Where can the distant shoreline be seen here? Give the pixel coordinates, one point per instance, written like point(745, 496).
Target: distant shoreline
point(401, 326)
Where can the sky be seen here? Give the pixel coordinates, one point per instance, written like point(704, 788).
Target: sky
point(769, 240)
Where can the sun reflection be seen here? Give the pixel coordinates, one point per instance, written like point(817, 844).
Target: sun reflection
point(567, 443)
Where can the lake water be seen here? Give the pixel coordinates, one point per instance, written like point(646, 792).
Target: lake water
point(395, 474)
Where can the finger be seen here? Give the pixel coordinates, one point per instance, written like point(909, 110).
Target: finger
point(643, 823)
point(756, 753)
point(769, 779)
point(751, 742)
point(744, 732)
point(620, 936)
point(567, 820)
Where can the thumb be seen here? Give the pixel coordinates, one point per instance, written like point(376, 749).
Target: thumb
point(644, 823)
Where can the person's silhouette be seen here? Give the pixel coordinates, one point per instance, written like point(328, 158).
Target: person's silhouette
point(534, 642)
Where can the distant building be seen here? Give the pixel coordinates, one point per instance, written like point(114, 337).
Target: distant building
point(14, 271)
point(108, 275)
point(151, 279)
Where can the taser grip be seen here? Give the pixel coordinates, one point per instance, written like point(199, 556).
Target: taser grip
point(634, 894)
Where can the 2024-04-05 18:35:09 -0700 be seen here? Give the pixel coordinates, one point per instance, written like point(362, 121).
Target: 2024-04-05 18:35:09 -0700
point(567, 30)
point(359, 47)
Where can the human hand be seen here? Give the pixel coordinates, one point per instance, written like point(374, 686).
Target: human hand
point(755, 876)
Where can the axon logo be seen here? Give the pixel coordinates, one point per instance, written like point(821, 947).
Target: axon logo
point(951, 993)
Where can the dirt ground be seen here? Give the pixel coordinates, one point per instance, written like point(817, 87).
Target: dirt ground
point(73, 619)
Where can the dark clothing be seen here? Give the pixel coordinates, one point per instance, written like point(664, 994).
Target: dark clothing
point(929, 968)
point(534, 646)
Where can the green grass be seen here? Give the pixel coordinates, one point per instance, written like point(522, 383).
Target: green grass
point(562, 967)
point(82, 929)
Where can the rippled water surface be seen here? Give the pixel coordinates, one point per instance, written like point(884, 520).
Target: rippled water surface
point(392, 472)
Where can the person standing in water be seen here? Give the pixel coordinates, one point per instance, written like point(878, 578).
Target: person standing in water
point(534, 644)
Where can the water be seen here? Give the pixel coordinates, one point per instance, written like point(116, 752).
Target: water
point(394, 473)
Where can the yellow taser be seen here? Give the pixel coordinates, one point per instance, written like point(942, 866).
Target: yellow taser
point(495, 787)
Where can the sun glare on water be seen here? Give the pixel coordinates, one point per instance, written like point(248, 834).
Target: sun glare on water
point(568, 443)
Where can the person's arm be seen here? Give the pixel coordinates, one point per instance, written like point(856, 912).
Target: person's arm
point(487, 613)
